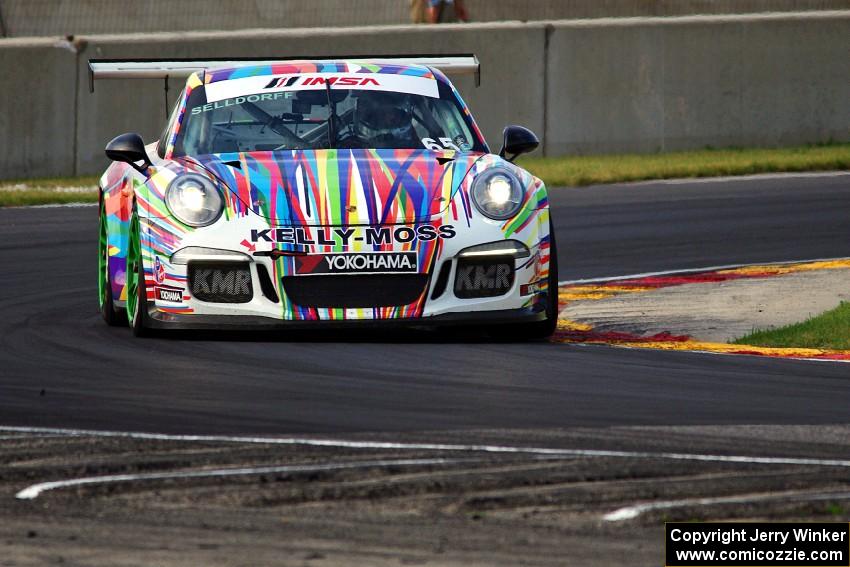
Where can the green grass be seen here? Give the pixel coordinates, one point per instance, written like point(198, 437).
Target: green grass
point(590, 170)
point(555, 171)
point(48, 191)
point(830, 330)
point(835, 509)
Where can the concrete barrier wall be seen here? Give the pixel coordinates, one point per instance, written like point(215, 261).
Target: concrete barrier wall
point(37, 108)
point(667, 84)
point(528, 10)
point(80, 17)
point(593, 86)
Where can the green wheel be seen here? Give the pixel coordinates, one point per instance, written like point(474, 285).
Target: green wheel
point(113, 316)
point(137, 302)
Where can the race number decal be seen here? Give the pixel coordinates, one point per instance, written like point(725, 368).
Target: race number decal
point(447, 144)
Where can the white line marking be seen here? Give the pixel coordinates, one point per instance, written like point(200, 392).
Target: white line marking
point(752, 177)
point(694, 271)
point(718, 179)
point(632, 512)
point(32, 492)
point(502, 449)
point(52, 206)
point(61, 190)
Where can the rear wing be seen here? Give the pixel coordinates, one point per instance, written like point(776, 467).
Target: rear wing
point(180, 68)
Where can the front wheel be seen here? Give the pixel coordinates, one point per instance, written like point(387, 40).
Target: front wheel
point(543, 329)
point(137, 297)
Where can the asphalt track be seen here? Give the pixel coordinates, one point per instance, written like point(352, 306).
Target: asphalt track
point(60, 366)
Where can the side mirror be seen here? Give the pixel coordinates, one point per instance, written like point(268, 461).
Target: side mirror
point(129, 148)
point(517, 140)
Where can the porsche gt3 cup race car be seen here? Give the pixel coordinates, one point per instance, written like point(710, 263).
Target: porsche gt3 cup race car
point(325, 192)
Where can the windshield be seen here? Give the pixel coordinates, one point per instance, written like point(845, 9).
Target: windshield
point(323, 111)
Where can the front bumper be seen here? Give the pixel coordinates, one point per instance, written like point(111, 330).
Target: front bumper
point(173, 303)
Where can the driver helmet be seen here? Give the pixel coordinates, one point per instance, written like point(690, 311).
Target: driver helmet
point(383, 117)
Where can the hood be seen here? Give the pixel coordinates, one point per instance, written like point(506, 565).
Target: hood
point(340, 187)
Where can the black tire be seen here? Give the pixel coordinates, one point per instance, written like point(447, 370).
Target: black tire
point(137, 311)
point(113, 316)
point(542, 329)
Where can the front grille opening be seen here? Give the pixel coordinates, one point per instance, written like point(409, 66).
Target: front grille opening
point(442, 280)
point(266, 285)
point(221, 283)
point(483, 277)
point(355, 291)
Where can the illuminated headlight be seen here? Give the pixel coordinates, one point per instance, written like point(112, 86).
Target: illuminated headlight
point(497, 193)
point(194, 200)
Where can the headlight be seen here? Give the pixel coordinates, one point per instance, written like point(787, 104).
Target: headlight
point(497, 193)
point(194, 200)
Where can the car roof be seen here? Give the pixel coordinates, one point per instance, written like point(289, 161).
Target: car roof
point(322, 66)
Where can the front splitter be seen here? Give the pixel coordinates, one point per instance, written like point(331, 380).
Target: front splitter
point(160, 320)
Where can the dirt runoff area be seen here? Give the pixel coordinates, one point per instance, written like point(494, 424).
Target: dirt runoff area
point(601, 501)
point(715, 307)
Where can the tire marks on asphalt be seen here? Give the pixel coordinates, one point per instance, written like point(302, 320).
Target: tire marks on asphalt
point(33, 491)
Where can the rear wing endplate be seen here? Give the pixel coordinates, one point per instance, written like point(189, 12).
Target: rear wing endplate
point(182, 68)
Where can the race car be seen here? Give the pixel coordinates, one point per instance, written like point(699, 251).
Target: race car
point(292, 194)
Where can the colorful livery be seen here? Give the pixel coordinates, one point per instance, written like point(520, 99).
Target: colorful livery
point(298, 193)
